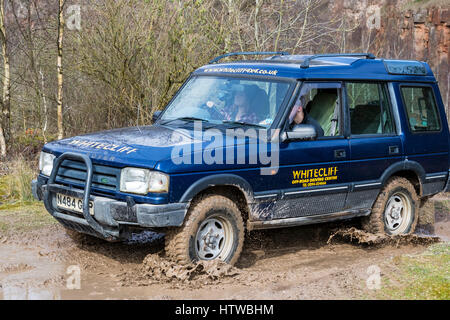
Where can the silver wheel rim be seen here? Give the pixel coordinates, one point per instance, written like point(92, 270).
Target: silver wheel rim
point(397, 214)
point(214, 239)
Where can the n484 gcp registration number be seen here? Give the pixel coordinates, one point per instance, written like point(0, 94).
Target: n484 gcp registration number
point(72, 204)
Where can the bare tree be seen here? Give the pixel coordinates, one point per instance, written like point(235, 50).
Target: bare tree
point(5, 123)
point(298, 26)
point(2, 143)
point(132, 55)
point(60, 69)
point(44, 100)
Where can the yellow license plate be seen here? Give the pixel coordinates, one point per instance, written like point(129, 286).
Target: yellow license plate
point(72, 204)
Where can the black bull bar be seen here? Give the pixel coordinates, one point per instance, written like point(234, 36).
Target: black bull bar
point(52, 187)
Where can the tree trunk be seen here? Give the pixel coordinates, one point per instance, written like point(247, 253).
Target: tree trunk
point(60, 69)
point(258, 4)
point(44, 100)
point(5, 121)
point(2, 143)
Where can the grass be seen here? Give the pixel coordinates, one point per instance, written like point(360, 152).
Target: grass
point(420, 277)
point(27, 217)
point(15, 184)
point(18, 209)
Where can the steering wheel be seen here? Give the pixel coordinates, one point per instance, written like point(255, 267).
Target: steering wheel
point(213, 111)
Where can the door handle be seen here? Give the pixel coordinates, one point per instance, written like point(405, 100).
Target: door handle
point(394, 150)
point(339, 154)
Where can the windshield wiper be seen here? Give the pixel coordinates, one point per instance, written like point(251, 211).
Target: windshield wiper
point(185, 119)
point(241, 123)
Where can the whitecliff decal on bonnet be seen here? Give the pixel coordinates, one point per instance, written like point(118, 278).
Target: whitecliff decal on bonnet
point(103, 146)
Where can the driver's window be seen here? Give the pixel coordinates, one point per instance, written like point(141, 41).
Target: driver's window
point(227, 99)
point(255, 102)
point(318, 105)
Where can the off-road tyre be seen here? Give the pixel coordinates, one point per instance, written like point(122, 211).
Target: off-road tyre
point(375, 222)
point(180, 243)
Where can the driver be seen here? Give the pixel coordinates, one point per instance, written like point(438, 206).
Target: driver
point(240, 110)
point(299, 116)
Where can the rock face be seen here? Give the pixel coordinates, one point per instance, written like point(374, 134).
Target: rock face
point(400, 29)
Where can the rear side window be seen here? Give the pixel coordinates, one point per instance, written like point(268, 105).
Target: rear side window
point(421, 109)
point(370, 111)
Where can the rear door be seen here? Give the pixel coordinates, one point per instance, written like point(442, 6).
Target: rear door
point(375, 143)
point(426, 132)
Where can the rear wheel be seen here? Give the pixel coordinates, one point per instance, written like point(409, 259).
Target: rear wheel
point(213, 229)
point(396, 209)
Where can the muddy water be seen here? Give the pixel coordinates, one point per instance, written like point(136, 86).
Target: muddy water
point(293, 263)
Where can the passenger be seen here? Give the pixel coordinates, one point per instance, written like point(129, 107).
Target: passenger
point(300, 116)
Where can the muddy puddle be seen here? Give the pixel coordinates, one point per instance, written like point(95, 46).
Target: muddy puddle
point(328, 261)
point(157, 269)
point(360, 237)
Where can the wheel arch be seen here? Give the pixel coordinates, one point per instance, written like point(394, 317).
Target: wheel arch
point(229, 185)
point(410, 170)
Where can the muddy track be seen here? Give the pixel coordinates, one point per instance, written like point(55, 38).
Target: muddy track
point(315, 262)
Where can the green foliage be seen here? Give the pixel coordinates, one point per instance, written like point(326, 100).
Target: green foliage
point(425, 276)
point(15, 183)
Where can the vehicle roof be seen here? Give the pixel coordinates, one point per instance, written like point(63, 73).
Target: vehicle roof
point(320, 68)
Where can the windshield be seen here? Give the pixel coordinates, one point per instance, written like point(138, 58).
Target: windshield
point(228, 100)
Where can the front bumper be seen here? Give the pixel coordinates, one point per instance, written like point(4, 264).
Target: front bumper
point(110, 216)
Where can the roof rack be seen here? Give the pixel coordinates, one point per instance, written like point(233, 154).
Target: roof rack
point(305, 63)
point(253, 53)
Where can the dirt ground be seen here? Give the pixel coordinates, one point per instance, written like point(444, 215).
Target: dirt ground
point(292, 263)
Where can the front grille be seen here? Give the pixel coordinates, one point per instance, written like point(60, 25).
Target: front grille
point(74, 173)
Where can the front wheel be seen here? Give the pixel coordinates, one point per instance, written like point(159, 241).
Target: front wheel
point(396, 209)
point(213, 229)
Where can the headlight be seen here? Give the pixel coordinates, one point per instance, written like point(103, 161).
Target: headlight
point(143, 181)
point(159, 182)
point(46, 163)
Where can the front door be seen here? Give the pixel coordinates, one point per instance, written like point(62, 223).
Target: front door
point(314, 175)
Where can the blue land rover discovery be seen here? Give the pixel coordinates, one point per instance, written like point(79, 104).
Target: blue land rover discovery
point(252, 144)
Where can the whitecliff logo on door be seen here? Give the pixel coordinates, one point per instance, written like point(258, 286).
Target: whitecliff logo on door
point(314, 177)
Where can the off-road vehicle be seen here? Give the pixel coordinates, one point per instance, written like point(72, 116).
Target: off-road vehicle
point(252, 144)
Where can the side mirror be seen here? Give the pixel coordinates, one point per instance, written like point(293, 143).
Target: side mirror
point(300, 132)
point(156, 115)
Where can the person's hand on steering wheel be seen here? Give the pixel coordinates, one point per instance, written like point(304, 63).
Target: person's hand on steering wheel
point(211, 107)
